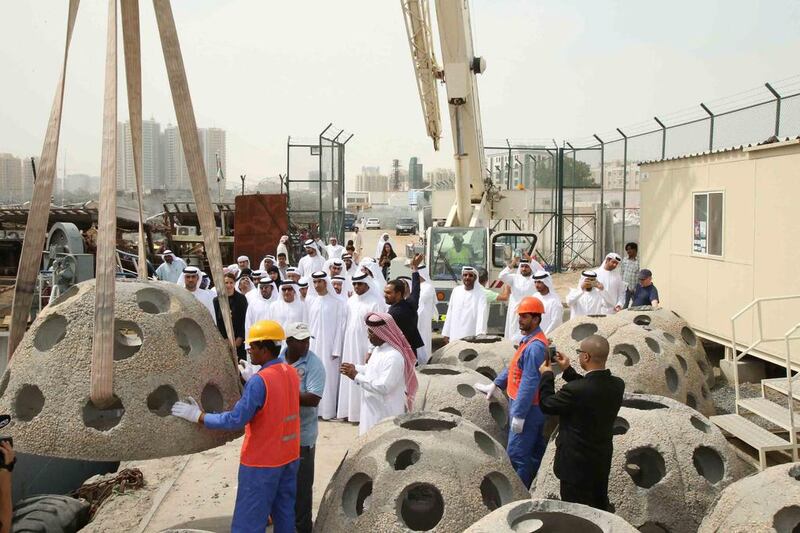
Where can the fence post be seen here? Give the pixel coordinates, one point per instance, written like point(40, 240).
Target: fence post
point(559, 210)
point(602, 238)
point(710, 129)
point(624, 180)
point(663, 138)
point(777, 108)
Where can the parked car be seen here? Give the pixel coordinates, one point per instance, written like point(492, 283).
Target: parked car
point(373, 223)
point(405, 226)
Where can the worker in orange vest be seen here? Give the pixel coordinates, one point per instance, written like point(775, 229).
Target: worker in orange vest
point(520, 380)
point(269, 411)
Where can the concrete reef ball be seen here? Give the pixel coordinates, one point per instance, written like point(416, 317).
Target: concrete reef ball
point(166, 347)
point(765, 502)
point(423, 471)
point(549, 515)
point(486, 354)
point(669, 465)
point(677, 331)
point(450, 389)
point(644, 357)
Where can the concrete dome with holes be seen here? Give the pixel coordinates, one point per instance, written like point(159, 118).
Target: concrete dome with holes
point(424, 471)
point(486, 354)
point(768, 501)
point(677, 331)
point(669, 465)
point(549, 515)
point(166, 347)
point(451, 389)
point(646, 358)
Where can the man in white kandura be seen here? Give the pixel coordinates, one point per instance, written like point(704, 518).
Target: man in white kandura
point(388, 380)
point(312, 261)
point(172, 267)
point(609, 279)
point(364, 301)
point(191, 281)
point(426, 309)
point(521, 284)
point(379, 247)
point(553, 309)
point(468, 310)
point(327, 316)
point(586, 299)
point(243, 262)
point(288, 308)
point(258, 307)
point(334, 249)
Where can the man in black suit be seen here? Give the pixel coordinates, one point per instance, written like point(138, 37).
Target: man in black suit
point(404, 310)
point(587, 407)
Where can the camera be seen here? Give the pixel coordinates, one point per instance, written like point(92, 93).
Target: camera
point(551, 352)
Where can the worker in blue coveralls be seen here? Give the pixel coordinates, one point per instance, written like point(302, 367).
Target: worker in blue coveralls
point(269, 411)
point(520, 380)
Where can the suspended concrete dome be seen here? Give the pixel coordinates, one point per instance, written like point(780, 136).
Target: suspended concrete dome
point(166, 347)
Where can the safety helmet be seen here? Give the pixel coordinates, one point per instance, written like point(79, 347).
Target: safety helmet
point(532, 305)
point(265, 330)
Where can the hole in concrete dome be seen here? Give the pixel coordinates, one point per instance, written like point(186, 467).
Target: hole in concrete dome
point(421, 506)
point(105, 418)
point(487, 371)
point(683, 363)
point(467, 355)
point(127, 339)
point(451, 410)
point(356, 495)
point(621, 426)
point(50, 332)
point(483, 339)
point(653, 345)
point(691, 401)
point(467, 391)
point(190, 337)
point(596, 316)
point(496, 490)
point(211, 399)
point(642, 404)
point(787, 519)
point(439, 371)
point(794, 472)
point(160, 401)
point(629, 352)
point(4, 382)
point(499, 414)
point(152, 300)
point(699, 424)
point(402, 454)
point(672, 378)
point(428, 424)
point(641, 320)
point(543, 522)
point(703, 365)
point(688, 336)
point(485, 443)
point(645, 466)
point(653, 527)
point(582, 331)
point(709, 464)
point(64, 296)
point(670, 337)
point(28, 403)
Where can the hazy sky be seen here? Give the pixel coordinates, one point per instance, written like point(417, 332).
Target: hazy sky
point(265, 69)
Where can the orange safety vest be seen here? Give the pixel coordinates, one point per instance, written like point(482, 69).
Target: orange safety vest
point(272, 437)
point(515, 372)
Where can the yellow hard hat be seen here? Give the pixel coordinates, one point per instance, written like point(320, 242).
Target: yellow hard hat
point(265, 330)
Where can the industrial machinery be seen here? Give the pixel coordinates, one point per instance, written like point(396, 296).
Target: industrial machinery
point(65, 262)
point(468, 235)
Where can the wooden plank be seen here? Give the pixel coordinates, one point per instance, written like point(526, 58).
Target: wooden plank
point(102, 384)
point(36, 227)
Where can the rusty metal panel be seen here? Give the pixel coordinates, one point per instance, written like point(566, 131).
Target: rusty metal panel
point(260, 220)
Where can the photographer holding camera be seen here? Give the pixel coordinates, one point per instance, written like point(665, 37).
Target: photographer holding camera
point(9, 460)
point(587, 407)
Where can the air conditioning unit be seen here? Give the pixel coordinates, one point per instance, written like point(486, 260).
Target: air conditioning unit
point(13, 235)
point(186, 230)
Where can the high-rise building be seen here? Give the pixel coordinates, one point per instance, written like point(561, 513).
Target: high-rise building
point(176, 175)
point(371, 180)
point(414, 174)
point(10, 178)
point(121, 156)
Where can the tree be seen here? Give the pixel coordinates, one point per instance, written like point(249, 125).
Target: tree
point(576, 173)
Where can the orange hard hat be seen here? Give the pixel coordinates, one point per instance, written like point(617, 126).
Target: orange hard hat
point(529, 304)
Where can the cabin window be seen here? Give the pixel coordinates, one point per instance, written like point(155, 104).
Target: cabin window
point(707, 224)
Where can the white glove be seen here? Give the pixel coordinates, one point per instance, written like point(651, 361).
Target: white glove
point(248, 370)
point(517, 424)
point(489, 390)
point(188, 410)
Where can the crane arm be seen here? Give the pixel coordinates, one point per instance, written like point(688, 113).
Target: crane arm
point(416, 14)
